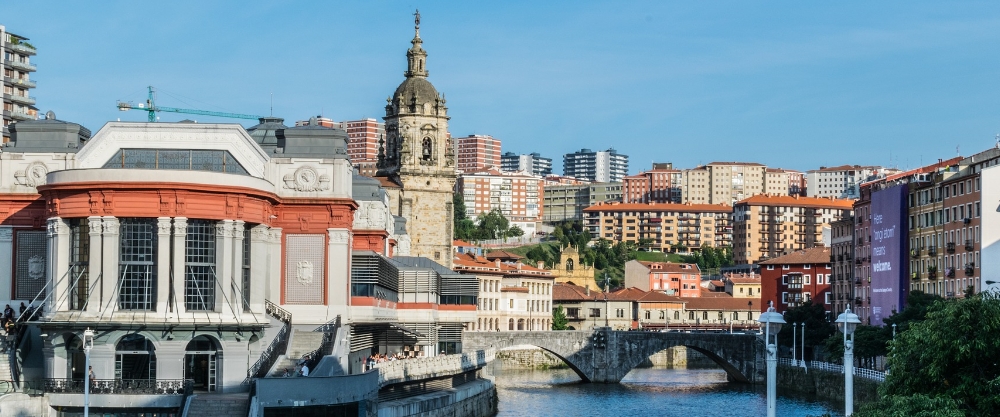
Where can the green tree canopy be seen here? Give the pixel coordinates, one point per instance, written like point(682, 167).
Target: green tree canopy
point(951, 354)
point(818, 329)
point(559, 320)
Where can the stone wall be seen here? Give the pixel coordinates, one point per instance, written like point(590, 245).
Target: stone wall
point(825, 384)
point(534, 358)
point(474, 399)
point(529, 358)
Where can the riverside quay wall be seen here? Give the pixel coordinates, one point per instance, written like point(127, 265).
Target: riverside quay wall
point(530, 357)
point(824, 384)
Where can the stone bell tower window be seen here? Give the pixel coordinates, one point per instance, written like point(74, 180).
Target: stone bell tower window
point(427, 149)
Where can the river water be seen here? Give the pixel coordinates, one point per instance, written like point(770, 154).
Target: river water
point(643, 392)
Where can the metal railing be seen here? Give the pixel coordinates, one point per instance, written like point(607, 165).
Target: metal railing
point(277, 347)
point(836, 368)
point(21, 82)
point(22, 115)
point(120, 386)
point(20, 65)
point(20, 47)
point(330, 330)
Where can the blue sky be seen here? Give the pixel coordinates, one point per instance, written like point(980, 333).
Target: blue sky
point(789, 84)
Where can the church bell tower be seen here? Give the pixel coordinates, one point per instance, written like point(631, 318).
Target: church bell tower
point(417, 155)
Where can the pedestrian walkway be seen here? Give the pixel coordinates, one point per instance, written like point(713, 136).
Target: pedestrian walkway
point(219, 405)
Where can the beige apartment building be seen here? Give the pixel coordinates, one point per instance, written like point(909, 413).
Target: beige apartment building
point(766, 227)
point(779, 181)
point(722, 182)
point(477, 152)
point(517, 195)
point(668, 227)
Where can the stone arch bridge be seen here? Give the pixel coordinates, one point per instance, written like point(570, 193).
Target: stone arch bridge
point(605, 355)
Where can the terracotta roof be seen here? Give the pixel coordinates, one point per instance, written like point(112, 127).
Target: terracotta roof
point(458, 242)
point(671, 267)
point(387, 182)
point(816, 255)
point(744, 279)
point(683, 208)
point(924, 169)
point(705, 292)
point(470, 262)
point(570, 292)
point(789, 201)
point(843, 168)
point(502, 255)
point(631, 293)
point(736, 163)
point(721, 303)
point(718, 283)
point(658, 297)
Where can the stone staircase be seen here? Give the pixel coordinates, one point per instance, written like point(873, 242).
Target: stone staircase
point(5, 374)
point(302, 342)
point(219, 405)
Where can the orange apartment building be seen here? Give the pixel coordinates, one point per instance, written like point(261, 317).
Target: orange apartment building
point(478, 152)
point(516, 195)
point(768, 226)
point(667, 226)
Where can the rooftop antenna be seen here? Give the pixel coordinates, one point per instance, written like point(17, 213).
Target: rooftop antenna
point(998, 140)
point(272, 103)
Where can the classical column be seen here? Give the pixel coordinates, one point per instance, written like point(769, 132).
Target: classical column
point(339, 266)
point(163, 266)
point(260, 249)
point(224, 267)
point(58, 265)
point(95, 299)
point(275, 272)
point(110, 247)
point(236, 288)
point(180, 234)
point(6, 258)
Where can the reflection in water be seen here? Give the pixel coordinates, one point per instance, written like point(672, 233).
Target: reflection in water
point(644, 392)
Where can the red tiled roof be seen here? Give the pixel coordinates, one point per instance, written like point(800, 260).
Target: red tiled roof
point(458, 242)
point(570, 292)
point(816, 255)
point(736, 163)
point(502, 255)
point(717, 283)
point(470, 262)
point(924, 169)
point(683, 208)
point(658, 297)
point(726, 302)
point(790, 201)
point(387, 182)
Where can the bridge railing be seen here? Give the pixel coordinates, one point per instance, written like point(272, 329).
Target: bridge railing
point(836, 368)
point(404, 370)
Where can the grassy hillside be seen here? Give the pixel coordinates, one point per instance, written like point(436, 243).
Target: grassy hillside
point(657, 257)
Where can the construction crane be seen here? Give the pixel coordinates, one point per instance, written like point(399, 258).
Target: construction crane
point(151, 107)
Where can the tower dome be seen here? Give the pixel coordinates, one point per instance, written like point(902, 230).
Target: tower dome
point(415, 91)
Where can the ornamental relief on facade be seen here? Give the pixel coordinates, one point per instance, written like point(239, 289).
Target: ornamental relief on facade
point(304, 272)
point(372, 215)
point(33, 175)
point(307, 178)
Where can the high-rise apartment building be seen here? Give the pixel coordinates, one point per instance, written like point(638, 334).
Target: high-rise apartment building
point(362, 140)
point(842, 181)
point(662, 227)
point(722, 182)
point(477, 152)
point(765, 227)
point(596, 166)
point(653, 186)
point(533, 163)
point(566, 201)
point(516, 195)
point(18, 104)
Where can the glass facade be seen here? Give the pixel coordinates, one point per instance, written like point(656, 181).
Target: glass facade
point(178, 159)
point(199, 265)
point(137, 264)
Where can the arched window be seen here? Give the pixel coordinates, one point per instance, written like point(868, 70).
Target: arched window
point(427, 149)
point(511, 324)
point(569, 264)
point(520, 324)
point(647, 314)
point(677, 315)
point(201, 363)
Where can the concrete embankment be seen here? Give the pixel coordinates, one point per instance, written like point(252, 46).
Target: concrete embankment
point(473, 399)
point(825, 385)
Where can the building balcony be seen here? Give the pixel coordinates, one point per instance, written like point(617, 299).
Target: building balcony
point(949, 247)
point(26, 100)
point(119, 392)
point(22, 48)
point(20, 115)
point(932, 273)
point(915, 253)
point(969, 246)
point(23, 66)
point(970, 269)
point(914, 275)
point(21, 82)
point(949, 272)
point(932, 251)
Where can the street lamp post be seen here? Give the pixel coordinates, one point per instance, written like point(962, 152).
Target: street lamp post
point(607, 307)
point(795, 327)
point(847, 322)
point(771, 321)
point(88, 344)
point(803, 355)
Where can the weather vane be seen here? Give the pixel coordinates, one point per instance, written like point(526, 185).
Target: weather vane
point(416, 18)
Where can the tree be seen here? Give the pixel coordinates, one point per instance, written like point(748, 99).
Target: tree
point(559, 320)
point(514, 231)
point(911, 406)
point(818, 330)
point(464, 227)
point(951, 354)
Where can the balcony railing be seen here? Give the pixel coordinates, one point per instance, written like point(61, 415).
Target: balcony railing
point(950, 247)
point(970, 269)
point(24, 66)
point(21, 82)
point(120, 386)
point(20, 99)
point(915, 253)
point(22, 115)
point(932, 273)
point(22, 48)
point(932, 251)
point(968, 245)
point(949, 272)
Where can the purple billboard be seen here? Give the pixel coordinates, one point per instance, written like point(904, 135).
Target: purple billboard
point(889, 248)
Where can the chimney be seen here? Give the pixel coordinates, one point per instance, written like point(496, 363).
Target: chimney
point(498, 262)
point(588, 291)
point(541, 264)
